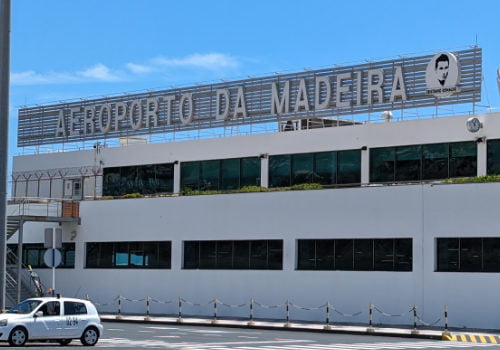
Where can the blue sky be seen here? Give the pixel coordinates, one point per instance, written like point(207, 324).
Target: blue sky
point(64, 49)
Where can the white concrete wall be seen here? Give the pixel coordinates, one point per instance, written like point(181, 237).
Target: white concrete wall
point(422, 212)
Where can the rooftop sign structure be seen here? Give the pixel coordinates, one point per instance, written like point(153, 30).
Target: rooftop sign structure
point(407, 82)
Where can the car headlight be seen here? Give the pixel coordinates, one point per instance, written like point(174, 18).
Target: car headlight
point(3, 323)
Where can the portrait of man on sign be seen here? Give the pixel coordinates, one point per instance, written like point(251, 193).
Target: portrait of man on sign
point(442, 68)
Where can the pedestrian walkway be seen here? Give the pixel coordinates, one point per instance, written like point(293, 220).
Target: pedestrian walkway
point(457, 336)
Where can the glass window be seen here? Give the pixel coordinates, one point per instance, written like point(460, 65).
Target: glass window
point(306, 254)
point(128, 254)
point(382, 164)
point(105, 255)
point(92, 254)
point(302, 168)
point(403, 254)
point(137, 256)
point(470, 254)
point(111, 181)
point(491, 254)
point(74, 308)
point(448, 254)
point(344, 254)
point(325, 254)
point(325, 168)
point(207, 255)
point(408, 163)
point(164, 255)
point(190, 175)
point(230, 174)
point(279, 171)
point(383, 254)
point(164, 178)
point(349, 167)
point(463, 159)
point(275, 254)
point(209, 179)
point(224, 254)
point(241, 259)
point(144, 179)
point(435, 161)
point(363, 254)
point(258, 254)
point(250, 172)
point(493, 167)
point(191, 255)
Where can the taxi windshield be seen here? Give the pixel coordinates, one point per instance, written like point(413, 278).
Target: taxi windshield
point(24, 307)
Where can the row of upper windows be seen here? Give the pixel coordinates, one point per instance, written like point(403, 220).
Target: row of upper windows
point(387, 164)
point(477, 254)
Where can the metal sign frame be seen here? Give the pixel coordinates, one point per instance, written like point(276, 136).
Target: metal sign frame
point(332, 92)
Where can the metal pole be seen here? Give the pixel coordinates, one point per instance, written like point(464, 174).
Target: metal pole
point(19, 258)
point(4, 134)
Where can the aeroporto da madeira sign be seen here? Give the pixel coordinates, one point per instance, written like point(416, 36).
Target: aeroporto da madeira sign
point(407, 82)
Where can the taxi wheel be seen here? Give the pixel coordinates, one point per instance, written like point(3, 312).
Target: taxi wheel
point(18, 336)
point(64, 342)
point(90, 336)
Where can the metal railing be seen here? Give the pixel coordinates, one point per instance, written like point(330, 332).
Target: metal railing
point(409, 317)
point(35, 206)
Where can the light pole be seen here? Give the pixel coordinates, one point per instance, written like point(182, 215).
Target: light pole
point(4, 134)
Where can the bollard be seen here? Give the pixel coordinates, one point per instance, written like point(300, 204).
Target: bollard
point(215, 311)
point(148, 316)
point(327, 321)
point(119, 316)
point(179, 319)
point(287, 324)
point(446, 334)
point(414, 330)
point(250, 322)
point(370, 328)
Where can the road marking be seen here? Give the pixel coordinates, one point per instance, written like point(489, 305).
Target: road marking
point(291, 344)
point(163, 328)
point(115, 329)
point(167, 336)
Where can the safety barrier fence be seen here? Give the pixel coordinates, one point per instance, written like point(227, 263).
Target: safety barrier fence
point(286, 306)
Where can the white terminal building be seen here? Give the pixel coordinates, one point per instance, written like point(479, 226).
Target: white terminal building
point(335, 189)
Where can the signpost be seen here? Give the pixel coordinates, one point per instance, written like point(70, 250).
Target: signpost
point(52, 256)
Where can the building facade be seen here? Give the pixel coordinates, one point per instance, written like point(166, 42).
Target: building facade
point(353, 213)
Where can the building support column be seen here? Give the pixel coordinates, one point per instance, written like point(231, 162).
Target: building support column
point(20, 258)
point(365, 165)
point(177, 177)
point(264, 171)
point(482, 162)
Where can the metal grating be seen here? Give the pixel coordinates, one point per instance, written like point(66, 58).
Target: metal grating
point(38, 125)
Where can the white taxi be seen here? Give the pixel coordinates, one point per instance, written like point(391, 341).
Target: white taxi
point(51, 319)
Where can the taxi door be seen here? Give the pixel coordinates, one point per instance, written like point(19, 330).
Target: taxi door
point(74, 319)
point(49, 325)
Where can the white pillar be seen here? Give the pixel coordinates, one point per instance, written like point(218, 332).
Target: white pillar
point(177, 177)
point(264, 171)
point(481, 158)
point(365, 166)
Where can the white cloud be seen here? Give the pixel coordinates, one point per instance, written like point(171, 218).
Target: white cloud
point(208, 61)
point(100, 72)
point(33, 78)
point(139, 68)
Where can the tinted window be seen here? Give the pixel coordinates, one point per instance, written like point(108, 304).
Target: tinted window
point(74, 308)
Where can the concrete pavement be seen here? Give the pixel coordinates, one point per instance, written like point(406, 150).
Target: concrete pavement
point(475, 337)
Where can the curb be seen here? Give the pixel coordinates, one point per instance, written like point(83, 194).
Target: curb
point(404, 333)
point(473, 338)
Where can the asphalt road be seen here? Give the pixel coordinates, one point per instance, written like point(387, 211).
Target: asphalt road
point(133, 336)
